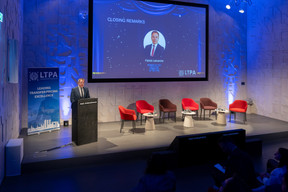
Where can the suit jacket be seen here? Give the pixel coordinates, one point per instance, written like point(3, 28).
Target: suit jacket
point(240, 163)
point(158, 52)
point(75, 94)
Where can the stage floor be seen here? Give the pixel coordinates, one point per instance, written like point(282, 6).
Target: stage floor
point(57, 144)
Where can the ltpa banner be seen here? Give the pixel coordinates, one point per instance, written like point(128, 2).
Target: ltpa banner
point(43, 100)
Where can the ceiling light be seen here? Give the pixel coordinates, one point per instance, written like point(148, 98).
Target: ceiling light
point(240, 3)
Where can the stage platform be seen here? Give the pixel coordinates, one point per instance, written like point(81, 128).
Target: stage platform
point(57, 145)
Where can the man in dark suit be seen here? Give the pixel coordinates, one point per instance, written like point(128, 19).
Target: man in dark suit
point(79, 92)
point(154, 50)
point(239, 164)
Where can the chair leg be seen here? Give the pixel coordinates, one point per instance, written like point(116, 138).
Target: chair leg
point(197, 114)
point(134, 126)
point(245, 117)
point(234, 116)
point(175, 115)
point(230, 116)
point(200, 113)
point(141, 118)
point(209, 113)
point(204, 114)
point(122, 125)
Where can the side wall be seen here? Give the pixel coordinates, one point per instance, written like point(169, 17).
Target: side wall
point(56, 35)
point(10, 28)
point(267, 70)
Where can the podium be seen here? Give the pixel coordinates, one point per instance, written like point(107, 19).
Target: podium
point(85, 121)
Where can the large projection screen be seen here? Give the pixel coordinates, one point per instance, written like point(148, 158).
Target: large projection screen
point(134, 41)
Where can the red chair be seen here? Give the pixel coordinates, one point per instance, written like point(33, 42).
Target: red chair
point(238, 106)
point(188, 103)
point(127, 115)
point(207, 104)
point(143, 107)
point(165, 106)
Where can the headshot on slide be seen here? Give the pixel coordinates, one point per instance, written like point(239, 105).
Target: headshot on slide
point(154, 44)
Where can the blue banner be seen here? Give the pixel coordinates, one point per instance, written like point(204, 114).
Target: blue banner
point(43, 100)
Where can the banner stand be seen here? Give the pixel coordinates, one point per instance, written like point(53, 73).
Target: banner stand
point(43, 100)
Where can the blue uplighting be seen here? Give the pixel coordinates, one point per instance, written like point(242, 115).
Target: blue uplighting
point(1, 17)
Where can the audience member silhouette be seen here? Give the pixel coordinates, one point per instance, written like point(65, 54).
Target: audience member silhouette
point(238, 162)
point(234, 184)
point(156, 178)
point(284, 185)
point(276, 168)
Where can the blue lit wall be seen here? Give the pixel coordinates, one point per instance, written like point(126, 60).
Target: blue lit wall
point(267, 56)
point(56, 34)
point(230, 49)
point(10, 93)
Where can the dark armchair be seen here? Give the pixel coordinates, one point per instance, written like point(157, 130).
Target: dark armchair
point(207, 104)
point(165, 106)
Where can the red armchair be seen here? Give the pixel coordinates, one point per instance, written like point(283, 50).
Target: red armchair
point(127, 115)
point(165, 106)
point(188, 103)
point(143, 107)
point(207, 104)
point(238, 106)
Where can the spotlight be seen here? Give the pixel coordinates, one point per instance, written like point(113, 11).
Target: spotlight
point(240, 3)
point(241, 9)
point(83, 14)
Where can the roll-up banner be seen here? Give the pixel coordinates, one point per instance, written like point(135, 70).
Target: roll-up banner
point(43, 100)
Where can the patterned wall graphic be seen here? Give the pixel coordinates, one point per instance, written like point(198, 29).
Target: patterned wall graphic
point(62, 42)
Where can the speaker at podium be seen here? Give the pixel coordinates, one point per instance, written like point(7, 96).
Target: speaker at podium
point(85, 121)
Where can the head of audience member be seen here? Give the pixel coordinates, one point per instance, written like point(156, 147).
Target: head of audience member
point(227, 145)
point(282, 156)
point(81, 82)
point(284, 185)
point(156, 165)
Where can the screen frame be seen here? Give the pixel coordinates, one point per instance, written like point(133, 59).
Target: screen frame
point(90, 48)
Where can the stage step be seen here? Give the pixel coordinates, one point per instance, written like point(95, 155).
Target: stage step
point(253, 146)
point(88, 160)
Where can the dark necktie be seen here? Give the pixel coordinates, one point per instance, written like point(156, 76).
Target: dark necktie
point(82, 95)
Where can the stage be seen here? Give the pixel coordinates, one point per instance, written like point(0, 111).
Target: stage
point(57, 145)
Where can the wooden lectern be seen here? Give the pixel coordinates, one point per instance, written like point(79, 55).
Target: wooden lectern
point(85, 121)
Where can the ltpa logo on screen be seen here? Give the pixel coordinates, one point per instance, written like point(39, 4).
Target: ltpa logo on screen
point(1, 17)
